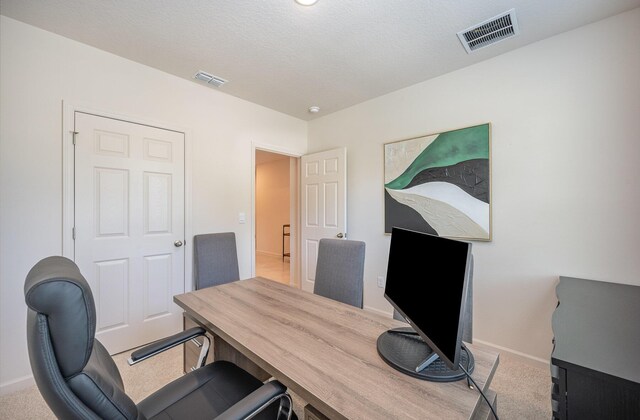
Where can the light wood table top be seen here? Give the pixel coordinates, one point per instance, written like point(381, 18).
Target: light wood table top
point(325, 351)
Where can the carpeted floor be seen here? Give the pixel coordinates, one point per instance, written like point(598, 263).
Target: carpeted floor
point(139, 380)
point(523, 390)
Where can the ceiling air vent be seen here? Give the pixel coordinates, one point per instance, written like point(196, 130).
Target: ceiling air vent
point(210, 78)
point(490, 31)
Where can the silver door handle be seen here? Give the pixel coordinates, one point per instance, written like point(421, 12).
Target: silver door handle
point(177, 244)
point(340, 235)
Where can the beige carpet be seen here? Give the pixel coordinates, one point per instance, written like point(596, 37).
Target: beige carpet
point(523, 390)
point(139, 380)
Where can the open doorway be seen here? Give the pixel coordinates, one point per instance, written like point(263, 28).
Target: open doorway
point(275, 216)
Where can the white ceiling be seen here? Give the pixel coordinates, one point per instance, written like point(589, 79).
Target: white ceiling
point(289, 57)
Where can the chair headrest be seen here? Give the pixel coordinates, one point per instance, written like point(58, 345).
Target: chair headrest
point(342, 244)
point(55, 288)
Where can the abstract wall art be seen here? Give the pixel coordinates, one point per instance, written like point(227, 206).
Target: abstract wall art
point(440, 183)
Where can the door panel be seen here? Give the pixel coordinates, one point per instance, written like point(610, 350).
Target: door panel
point(112, 281)
point(157, 203)
point(157, 282)
point(331, 204)
point(324, 205)
point(312, 211)
point(112, 198)
point(311, 253)
point(129, 211)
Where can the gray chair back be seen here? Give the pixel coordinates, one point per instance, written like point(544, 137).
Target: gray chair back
point(340, 270)
point(215, 259)
point(74, 372)
point(467, 332)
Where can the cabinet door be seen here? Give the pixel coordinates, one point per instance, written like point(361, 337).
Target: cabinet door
point(595, 395)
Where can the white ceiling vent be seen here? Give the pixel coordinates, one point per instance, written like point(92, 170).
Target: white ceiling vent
point(210, 78)
point(493, 30)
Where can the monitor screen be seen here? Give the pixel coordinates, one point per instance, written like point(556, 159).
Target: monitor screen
point(427, 280)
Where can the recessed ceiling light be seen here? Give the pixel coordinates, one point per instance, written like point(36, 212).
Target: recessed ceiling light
point(314, 109)
point(307, 2)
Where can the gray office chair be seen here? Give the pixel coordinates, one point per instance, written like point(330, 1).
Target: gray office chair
point(215, 259)
point(79, 380)
point(340, 270)
point(215, 262)
point(467, 332)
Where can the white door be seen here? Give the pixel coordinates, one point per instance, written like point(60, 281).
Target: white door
point(129, 227)
point(323, 188)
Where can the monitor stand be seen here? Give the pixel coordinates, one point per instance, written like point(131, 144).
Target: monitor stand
point(404, 350)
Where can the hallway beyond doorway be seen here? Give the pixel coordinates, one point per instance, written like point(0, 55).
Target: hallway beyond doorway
point(273, 267)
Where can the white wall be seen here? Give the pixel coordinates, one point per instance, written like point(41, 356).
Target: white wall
point(272, 205)
point(38, 71)
point(565, 116)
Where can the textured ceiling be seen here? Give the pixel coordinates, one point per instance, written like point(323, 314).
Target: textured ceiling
point(289, 57)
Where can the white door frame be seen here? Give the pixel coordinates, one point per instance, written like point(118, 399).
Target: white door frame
point(68, 186)
point(295, 241)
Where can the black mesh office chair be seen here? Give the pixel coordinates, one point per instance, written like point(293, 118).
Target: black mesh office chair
point(79, 380)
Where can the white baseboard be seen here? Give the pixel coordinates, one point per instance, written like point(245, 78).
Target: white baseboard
point(523, 357)
point(17, 385)
point(377, 311)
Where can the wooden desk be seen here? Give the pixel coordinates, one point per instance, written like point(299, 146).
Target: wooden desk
point(325, 351)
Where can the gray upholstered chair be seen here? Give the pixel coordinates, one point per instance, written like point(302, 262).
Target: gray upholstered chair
point(340, 270)
point(215, 259)
point(467, 332)
point(215, 262)
point(79, 380)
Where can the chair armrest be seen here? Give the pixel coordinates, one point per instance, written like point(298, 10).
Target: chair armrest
point(257, 401)
point(165, 344)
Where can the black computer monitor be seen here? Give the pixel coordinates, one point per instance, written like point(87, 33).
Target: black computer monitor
point(427, 278)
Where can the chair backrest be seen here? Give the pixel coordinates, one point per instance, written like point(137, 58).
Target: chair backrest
point(340, 270)
point(215, 259)
point(467, 332)
point(74, 372)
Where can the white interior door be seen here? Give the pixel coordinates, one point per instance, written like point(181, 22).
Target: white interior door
point(323, 189)
point(129, 227)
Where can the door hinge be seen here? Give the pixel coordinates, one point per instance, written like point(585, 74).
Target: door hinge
point(74, 133)
point(73, 233)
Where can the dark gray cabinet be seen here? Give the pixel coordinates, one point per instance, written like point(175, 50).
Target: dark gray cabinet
point(595, 364)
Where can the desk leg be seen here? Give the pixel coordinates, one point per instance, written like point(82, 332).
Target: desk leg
point(190, 351)
point(224, 351)
point(311, 413)
point(484, 412)
point(220, 350)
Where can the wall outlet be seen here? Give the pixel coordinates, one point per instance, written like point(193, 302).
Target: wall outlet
point(380, 281)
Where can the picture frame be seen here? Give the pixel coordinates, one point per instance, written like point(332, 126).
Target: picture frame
point(440, 183)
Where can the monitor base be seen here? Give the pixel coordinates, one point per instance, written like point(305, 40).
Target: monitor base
point(404, 350)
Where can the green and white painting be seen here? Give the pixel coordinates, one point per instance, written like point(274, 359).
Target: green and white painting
point(440, 184)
